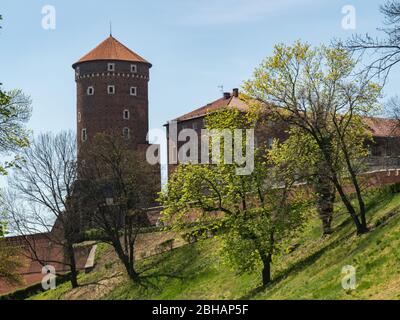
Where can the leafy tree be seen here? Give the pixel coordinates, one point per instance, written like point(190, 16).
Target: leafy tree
point(306, 87)
point(256, 216)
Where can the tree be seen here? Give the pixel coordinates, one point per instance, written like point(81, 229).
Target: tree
point(115, 185)
point(384, 53)
point(40, 198)
point(299, 157)
point(258, 217)
point(306, 87)
point(15, 111)
point(9, 258)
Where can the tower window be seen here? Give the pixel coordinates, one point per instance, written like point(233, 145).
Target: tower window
point(126, 114)
point(79, 117)
point(126, 133)
point(111, 89)
point(111, 67)
point(84, 135)
point(90, 91)
point(133, 91)
point(133, 68)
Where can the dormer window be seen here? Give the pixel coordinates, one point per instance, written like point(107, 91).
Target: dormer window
point(111, 67)
point(90, 91)
point(133, 68)
point(133, 91)
point(126, 114)
point(111, 89)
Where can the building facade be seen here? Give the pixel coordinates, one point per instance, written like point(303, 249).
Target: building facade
point(384, 148)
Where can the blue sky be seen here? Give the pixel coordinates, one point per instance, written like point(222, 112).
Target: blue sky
point(194, 46)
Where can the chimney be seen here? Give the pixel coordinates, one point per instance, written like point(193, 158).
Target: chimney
point(235, 92)
point(227, 95)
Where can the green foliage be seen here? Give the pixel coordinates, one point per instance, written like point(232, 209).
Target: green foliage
point(256, 214)
point(15, 111)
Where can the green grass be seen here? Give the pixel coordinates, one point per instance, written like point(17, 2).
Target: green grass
point(311, 271)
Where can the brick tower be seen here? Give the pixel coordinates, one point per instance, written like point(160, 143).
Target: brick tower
point(112, 93)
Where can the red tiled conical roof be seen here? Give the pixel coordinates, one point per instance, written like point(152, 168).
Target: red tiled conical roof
point(111, 49)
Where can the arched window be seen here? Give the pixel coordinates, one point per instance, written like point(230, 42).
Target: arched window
point(133, 68)
point(126, 114)
point(126, 133)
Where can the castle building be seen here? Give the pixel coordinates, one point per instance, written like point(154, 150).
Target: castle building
point(112, 93)
point(384, 149)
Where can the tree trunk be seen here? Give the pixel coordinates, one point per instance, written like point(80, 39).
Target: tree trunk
point(266, 271)
point(72, 263)
point(325, 191)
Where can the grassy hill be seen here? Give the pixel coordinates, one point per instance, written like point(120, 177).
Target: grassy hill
point(312, 270)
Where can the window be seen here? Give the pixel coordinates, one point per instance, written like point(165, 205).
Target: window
point(194, 126)
point(79, 117)
point(111, 89)
point(126, 114)
point(133, 91)
point(111, 67)
point(84, 135)
point(77, 70)
point(133, 68)
point(90, 91)
point(126, 133)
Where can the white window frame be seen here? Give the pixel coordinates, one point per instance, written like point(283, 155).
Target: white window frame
point(111, 67)
point(126, 111)
point(133, 68)
point(126, 137)
point(109, 91)
point(133, 91)
point(84, 135)
point(90, 91)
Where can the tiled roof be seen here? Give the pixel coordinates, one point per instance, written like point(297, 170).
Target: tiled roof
point(111, 49)
point(380, 127)
point(232, 102)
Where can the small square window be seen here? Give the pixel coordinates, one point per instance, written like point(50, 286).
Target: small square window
point(90, 91)
point(133, 91)
point(194, 126)
point(84, 135)
point(111, 67)
point(126, 114)
point(111, 89)
point(133, 68)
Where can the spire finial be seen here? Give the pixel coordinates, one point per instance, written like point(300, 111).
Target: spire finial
point(110, 28)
